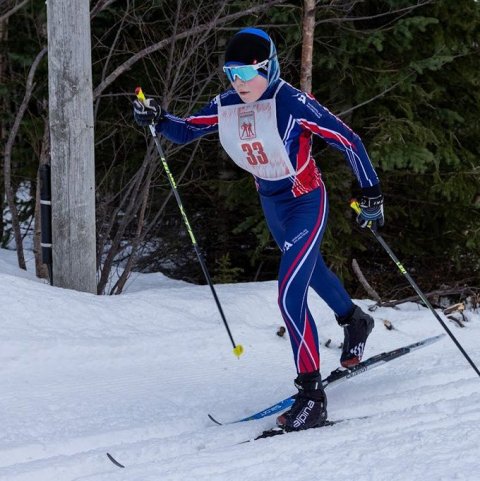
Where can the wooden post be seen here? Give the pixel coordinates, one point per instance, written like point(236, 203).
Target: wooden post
point(72, 144)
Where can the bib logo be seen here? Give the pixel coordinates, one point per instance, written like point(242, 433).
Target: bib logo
point(246, 126)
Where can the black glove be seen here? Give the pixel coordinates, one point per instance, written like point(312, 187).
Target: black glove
point(146, 113)
point(371, 212)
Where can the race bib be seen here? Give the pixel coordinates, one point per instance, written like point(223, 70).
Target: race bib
point(249, 135)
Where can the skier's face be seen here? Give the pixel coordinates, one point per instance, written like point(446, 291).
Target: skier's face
point(252, 90)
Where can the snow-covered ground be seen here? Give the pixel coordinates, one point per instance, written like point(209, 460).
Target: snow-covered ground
point(136, 375)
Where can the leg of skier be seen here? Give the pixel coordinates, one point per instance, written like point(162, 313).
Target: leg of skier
point(298, 226)
point(357, 325)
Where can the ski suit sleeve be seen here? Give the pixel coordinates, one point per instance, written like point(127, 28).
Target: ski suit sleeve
point(313, 116)
point(182, 131)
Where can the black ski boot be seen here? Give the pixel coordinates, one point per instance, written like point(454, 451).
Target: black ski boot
point(357, 326)
point(310, 407)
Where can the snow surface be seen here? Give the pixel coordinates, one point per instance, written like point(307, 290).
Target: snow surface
point(136, 375)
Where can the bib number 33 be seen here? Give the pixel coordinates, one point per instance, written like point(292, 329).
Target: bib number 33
point(255, 153)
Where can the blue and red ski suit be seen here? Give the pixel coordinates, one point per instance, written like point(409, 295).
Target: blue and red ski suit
point(296, 205)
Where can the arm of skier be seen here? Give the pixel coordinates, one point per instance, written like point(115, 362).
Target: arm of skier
point(183, 131)
point(320, 121)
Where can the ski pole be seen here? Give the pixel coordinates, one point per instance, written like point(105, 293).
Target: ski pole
point(356, 207)
point(237, 348)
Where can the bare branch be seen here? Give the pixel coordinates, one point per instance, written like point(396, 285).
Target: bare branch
point(370, 290)
point(187, 33)
point(379, 15)
point(463, 291)
point(143, 197)
point(15, 9)
point(100, 6)
point(114, 43)
point(375, 97)
point(7, 164)
point(130, 199)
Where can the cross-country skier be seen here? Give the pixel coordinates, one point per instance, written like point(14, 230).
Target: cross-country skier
point(266, 126)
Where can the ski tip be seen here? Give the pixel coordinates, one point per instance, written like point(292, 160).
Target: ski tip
point(214, 420)
point(114, 461)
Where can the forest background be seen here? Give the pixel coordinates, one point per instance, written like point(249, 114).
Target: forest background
point(403, 74)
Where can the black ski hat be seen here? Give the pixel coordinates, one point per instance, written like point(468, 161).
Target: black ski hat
point(247, 48)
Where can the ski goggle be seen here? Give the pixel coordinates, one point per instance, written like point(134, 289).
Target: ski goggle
point(244, 72)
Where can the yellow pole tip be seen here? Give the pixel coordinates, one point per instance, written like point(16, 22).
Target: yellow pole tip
point(238, 350)
point(139, 94)
point(355, 205)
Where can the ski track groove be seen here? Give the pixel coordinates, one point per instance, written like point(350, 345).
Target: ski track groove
point(175, 440)
point(139, 385)
point(166, 467)
point(175, 443)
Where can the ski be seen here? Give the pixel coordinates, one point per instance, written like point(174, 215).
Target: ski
point(114, 461)
point(270, 433)
point(339, 375)
point(278, 431)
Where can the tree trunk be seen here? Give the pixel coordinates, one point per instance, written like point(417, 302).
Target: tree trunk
point(7, 163)
point(71, 144)
point(307, 45)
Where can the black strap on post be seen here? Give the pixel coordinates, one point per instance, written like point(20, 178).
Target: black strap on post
point(46, 217)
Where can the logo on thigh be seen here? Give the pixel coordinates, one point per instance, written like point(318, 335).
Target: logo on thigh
point(287, 245)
